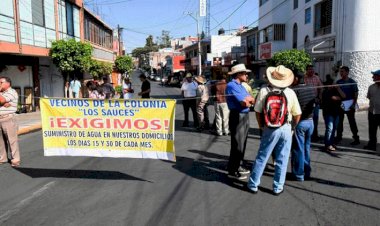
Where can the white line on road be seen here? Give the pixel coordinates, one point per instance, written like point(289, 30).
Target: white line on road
point(25, 202)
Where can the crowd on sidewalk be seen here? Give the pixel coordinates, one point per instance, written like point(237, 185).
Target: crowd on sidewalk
point(287, 112)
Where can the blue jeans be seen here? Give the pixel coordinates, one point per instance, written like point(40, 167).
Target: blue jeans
point(316, 119)
point(301, 149)
point(331, 122)
point(279, 141)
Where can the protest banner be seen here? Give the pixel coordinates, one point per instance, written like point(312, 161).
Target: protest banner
point(141, 128)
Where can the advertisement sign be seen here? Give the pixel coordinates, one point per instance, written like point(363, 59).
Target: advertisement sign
point(265, 51)
point(141, 128)
point(202, 7)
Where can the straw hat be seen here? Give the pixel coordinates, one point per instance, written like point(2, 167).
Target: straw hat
point(238, 68)
point(280, 76)
point(200, 79)
point(188, 75)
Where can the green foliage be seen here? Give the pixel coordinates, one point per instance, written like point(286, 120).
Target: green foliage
point(98, 69)
point(70, 56)
point(294, 59)
point(124, 64)
point(118, 89)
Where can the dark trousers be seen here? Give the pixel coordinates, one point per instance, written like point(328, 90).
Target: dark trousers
point(351, 120)
point(239, 126)
point(187, 105)
point(373, 126)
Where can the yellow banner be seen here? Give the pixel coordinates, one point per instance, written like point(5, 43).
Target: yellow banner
point(141, 128)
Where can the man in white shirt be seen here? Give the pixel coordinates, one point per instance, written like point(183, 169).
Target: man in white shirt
point(189, 93)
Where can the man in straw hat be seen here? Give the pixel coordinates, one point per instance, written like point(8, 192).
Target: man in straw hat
point(238, 101)
point(202, 100)
point(189, 93)
point(279, 139)
point(373, 95)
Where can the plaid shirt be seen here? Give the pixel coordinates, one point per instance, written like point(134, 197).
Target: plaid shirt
point(313, 81)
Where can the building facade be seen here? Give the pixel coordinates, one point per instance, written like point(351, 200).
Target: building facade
point(334, 32)
point(27, 29)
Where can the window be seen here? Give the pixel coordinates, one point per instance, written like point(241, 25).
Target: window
point(306, 1)
point(275, 32)
point(323, 18)
point(295, 34)
point(70, 19)
point(263, 2)
point(307, 41)
point(295, 4)
point(307, 15)
point(38, 12)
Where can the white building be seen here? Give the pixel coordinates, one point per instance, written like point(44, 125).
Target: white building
point(334, 32)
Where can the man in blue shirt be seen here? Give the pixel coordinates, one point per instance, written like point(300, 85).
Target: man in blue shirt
point(351, 92)
point(238, 101)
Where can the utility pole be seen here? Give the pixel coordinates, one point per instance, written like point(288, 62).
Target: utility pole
point(199, 44)
point(119, 32)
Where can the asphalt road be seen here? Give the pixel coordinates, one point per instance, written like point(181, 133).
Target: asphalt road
point(193, 191)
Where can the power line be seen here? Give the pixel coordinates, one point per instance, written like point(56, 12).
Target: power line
point(230, 14)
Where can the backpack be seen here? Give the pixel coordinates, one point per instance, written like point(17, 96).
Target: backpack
point(275, 108)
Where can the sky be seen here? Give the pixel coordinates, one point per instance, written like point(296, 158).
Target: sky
point(141, 18)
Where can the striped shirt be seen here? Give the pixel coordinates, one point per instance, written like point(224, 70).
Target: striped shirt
point(11, 97)
point(306, 100)
point(313, 81)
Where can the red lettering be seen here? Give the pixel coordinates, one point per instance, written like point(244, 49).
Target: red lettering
point(140, 121)
point(97, 123)
point(155, 124)
point(118, 124)
point(62, 122)
point(75, 123)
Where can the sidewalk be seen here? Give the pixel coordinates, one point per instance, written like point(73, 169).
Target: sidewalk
point(28, 122)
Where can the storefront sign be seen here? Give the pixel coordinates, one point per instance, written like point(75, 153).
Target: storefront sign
point(265, 51)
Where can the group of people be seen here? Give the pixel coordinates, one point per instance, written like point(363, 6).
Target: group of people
point(287, 112)
point(105, 90)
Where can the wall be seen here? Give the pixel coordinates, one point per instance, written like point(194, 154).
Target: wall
point(51, 80)
point(223, 43)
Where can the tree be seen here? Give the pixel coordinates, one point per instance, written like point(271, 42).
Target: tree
point(98, 69)
point(124, 64)
point(164, 40)
point(71, 57)
point(294, 59)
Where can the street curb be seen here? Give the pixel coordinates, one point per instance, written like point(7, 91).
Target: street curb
point(29, 129)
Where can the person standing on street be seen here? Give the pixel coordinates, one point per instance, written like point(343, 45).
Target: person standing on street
point(281, 111)
point(373, 111)
point(8, 125)
point(350, 89)
point(127, 89)
point(313, 80)
point(238, 101)
point(189, 93)
point(75, 87)
point(145, 87)
point(331, 104)
point(221, 108)
point(202, 103)
point(107, 87)
point(300, 157)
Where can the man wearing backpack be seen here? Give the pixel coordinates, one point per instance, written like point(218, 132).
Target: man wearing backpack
point(238, 101)
point(281, 112)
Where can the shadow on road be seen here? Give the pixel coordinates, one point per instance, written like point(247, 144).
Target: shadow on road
point(80, 174)
point(333, 197)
